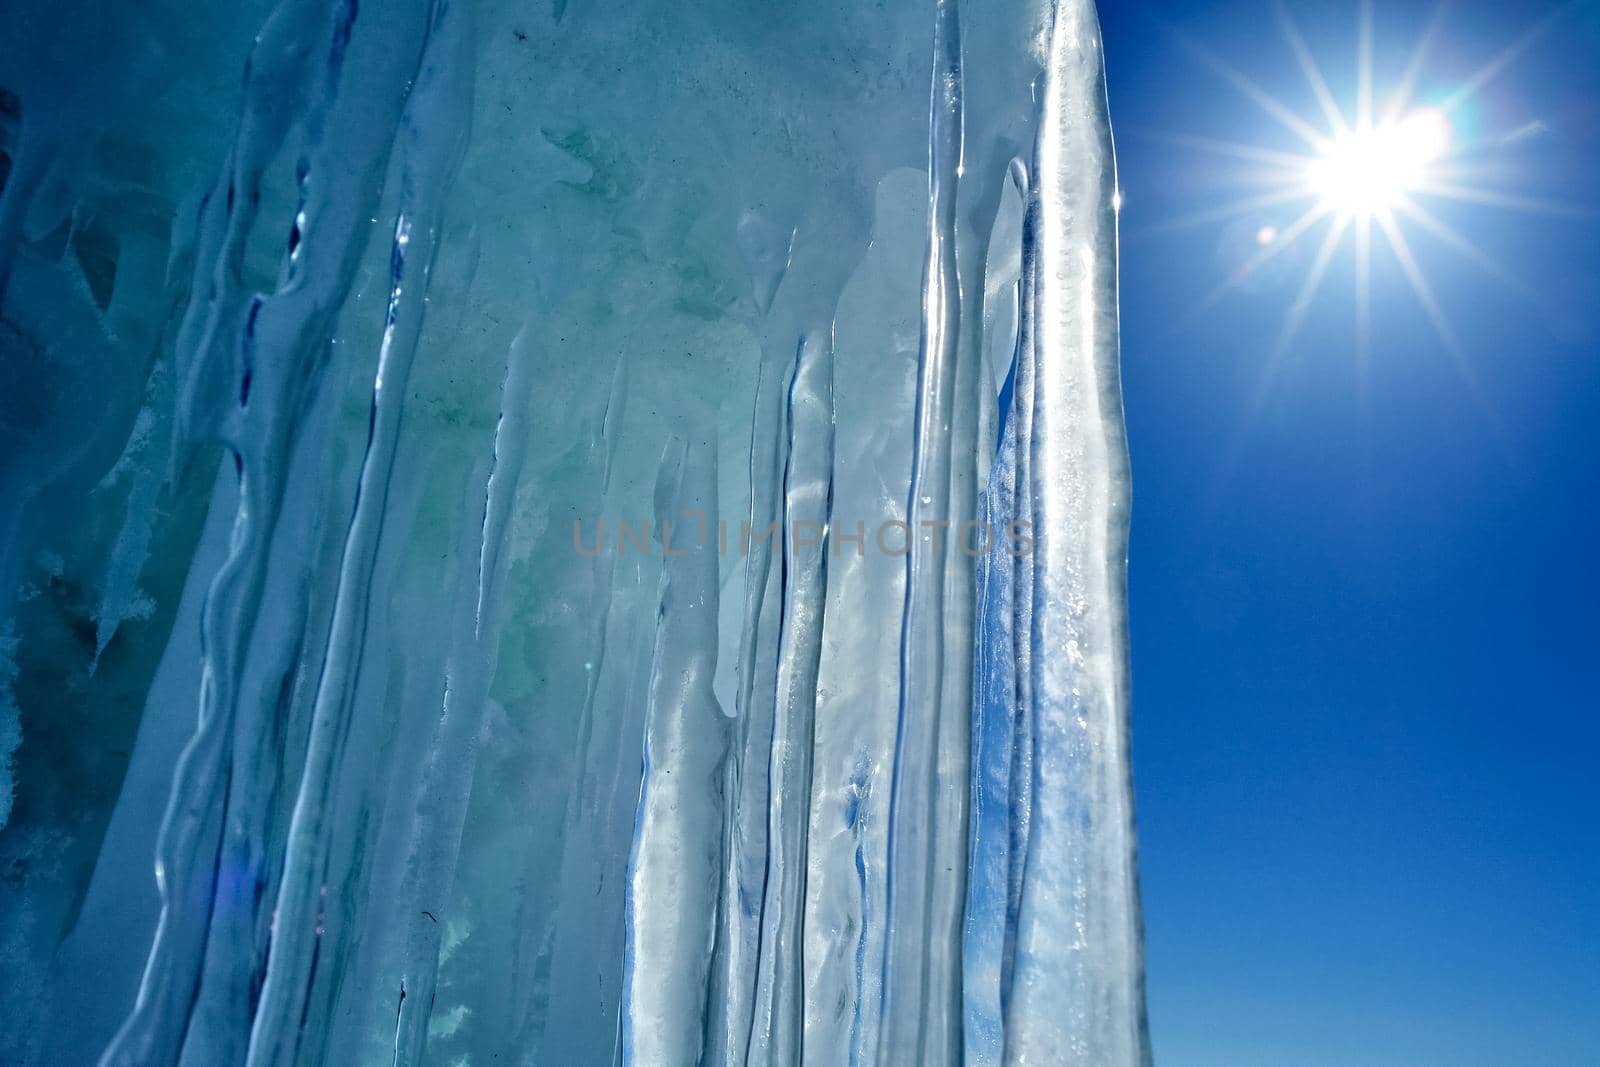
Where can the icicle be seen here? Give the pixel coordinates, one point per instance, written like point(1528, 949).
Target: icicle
point(921, 989)
point(386, 934)
point(281, 77)
point(777, 1025)
point(1002, 725)
point(589, 933)
point(582, 925)
point(748, 778)
point(674, 871)
point(765, 247)
point(434, 135)
point(274, 363)
point(621, 855)
point(441, 804)
point(1075, 987)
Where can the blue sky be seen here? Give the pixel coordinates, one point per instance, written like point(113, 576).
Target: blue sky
point(1364, 583)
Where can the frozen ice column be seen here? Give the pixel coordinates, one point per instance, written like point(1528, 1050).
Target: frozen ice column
point(1053, 970)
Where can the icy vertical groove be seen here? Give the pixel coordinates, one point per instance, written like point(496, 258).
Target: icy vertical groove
point(920, 980)
point(1002, 730)
point(675, 870)
point(433, 138)
point(1020, 646)
point(1077, 987)
point(287, 84)
point(268, 358)
point(748, 773)
point(580, 925)
point(440, 812)
point(775, 1037)
point(992, 745)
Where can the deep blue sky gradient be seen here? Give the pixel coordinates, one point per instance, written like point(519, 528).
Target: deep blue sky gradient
point(1365, 589)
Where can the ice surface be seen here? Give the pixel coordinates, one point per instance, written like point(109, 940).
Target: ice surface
point(492, 536)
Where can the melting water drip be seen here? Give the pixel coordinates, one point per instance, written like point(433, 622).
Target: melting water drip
point(661, 599)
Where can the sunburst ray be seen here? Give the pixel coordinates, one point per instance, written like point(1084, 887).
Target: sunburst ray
point(1442, 231)
point(1364, 65)
point(1313, 73)
point(1407, 83)
point(1280, 243)
point(1288, 162)
point(1227, 212)
point(1314, 138)
point(1510, 201)
point(1504, 58)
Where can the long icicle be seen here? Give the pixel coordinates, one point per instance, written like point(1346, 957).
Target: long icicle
point(920, 971)
point(675, 870)
point(748, 778)
point(439, 817)
point(586, 892)
point(1077, 988)
point(778, 1018)
point(434, 139)
point(267, 357)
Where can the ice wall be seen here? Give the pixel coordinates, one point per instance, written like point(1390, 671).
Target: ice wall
point(561, 534)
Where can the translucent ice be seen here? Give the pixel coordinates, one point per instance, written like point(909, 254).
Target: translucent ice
point(561, 534)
